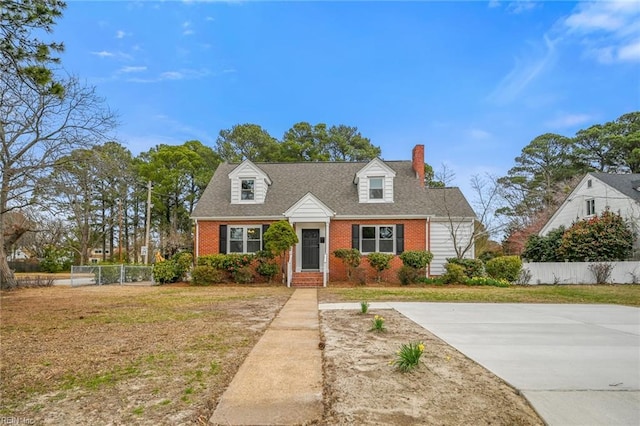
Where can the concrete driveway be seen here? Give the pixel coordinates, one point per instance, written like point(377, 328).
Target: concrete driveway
point(576, 364)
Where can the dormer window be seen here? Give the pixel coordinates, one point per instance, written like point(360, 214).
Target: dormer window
point(247, 192)
point(249, 184)
point(375, 182)
point(376, 188)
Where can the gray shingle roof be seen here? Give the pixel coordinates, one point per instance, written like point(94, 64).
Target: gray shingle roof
point(622, 182)
point(332, 183)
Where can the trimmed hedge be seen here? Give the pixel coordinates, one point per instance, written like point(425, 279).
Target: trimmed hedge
point(505, 268)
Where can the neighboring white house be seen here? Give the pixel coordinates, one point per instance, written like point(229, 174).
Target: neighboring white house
point(596, 192)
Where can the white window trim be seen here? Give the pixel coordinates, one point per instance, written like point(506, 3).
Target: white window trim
point(244, 238)
point(590, 202)
point(252, 200)
point(377, 227)
point(376, 200)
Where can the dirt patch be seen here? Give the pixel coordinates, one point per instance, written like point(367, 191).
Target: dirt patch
point(126, 355)
point(447, 388)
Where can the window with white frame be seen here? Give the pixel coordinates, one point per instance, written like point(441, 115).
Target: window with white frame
point(244, 239)
point(377, 238)
point(591, 207)
point(376, 188)
point(247, 189)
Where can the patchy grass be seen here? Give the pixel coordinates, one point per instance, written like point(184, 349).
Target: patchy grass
point(606, 294)
point(114, 354)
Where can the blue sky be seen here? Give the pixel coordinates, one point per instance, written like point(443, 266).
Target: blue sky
point(473, 81)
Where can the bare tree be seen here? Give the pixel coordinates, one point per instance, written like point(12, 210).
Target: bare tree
point(37, 129)
point(465, 231)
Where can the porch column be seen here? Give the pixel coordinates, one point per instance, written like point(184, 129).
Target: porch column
point(325, 269)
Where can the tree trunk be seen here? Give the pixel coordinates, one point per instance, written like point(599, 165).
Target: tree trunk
point(7, 279)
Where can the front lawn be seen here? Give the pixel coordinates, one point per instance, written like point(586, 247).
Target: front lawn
point(627, 294)
point(126, 355)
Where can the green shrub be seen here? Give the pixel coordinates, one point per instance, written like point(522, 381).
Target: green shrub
point(166, 271)
point(216, 261)
point(243, 275)
point(454, 275)
point(472, 267)
point(380, 262)
point(228, 263)
point(206, 275)
point(602, 238)
point(267, 270)
point(505, 267)
point(55, 260)
point(184, 263)
point(350, 257)
point(417, 259)
point(408, 275)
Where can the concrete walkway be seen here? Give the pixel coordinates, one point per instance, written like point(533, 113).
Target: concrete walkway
point(576, 364)
point(280, 382)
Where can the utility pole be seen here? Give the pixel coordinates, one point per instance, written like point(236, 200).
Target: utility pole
point(146, 238)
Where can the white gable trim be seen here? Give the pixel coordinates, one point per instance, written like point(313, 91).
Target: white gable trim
point(309, 207)
point(249, 171)
point(375, 168)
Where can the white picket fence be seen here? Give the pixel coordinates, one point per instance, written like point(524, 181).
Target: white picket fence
point(579, 273)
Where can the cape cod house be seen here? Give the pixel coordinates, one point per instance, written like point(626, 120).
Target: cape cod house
point(377, 206)
point(597, 192)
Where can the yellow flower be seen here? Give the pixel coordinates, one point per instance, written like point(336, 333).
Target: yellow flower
point(421, 347)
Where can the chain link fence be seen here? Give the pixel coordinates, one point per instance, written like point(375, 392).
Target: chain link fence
point(111, 274)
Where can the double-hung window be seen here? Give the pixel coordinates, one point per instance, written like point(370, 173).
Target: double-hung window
point(376, 188)
point(247, 190)
point(244, 239)
point(377, 238)
point(591, 207)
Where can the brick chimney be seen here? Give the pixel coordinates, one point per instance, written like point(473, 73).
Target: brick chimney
point(417, 161)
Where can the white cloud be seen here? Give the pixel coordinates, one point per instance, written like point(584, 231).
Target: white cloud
point(630, 52)
point(104, 54)
point(479, 134)
point(608, 30)
point(494, 3)
point(120, 34)
point(569, 120)
point(521, 6)
point(172, 75)
point(183, 74)
point(187, 30)
point(115, 55)
point(525, 71)
point(132, 69)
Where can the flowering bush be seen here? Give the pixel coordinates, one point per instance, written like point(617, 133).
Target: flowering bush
point(487, 281)
point(408, 357)
point(378, 324)
point(601, 238)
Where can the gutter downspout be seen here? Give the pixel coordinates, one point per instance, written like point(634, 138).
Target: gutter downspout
point(428, 230)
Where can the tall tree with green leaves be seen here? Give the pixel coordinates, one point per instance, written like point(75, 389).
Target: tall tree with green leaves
point(247, 142)
point(304, 142)
point(345, 143)
point(23, 53)
point(178, 174)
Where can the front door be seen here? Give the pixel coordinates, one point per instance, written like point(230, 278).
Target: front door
point(311, 249)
